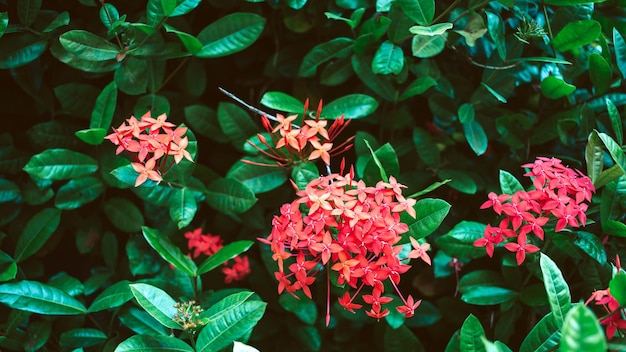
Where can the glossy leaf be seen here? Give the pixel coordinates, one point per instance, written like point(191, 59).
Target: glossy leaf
point(8, 267)
point(377, 83)
point(581, 331)
point(91, 136)
point(124, 215)
point(617, 286)
point(20, 49)
point(555, 88)
point(488, 295)
point(420, 11)
point(112, 297)
point(459, 180)
point(471, 333)
point(557, 289)
point(183, 7)
point(616, 121)
point(88, 46)
point(435, 29)
point(258, 179)
point(388, 59)
point(73, 60)
point(235, 123)
point(229, 196)
point(60, 164)
point(9, 191)
point(141, 322)
point(82, 337)
point(36, 232)
point(282, 102)
point(183, 207)
point(303, 173)
point(230, 34)
point(383, 163)
point(459, 242)
point(600, 73)
point(495, 25)
point(132, 76)
point(109, 15)
point(425, 46)
point(157, 303)
point(351, 106)
point(476, 137)
point(36, 297)
point(509, 184)
point(419, 86)
point(203, 121)
point(576, 34)
point(620, 51)
point(78, 192)
point(430, 214)
point(230, 318)
point(191, 43)
point(322, 53)
point(104, 109)
point(614, 149)
point(63, 19)
point(169, 252)
point(140, 343)
point(544, 336)
point(225, 254)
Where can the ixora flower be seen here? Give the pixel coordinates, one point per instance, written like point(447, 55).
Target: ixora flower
point(344, 227)
point(558, 193)
point(208, 245)
point(291, 144)
point(149, 142)
point(614, 320)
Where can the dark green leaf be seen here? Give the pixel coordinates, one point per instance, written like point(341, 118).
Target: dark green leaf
point(36, 297)
point(600, 73)
point(384, 163)
point(60, 164)
point(77, 192)
point(420, 11)
point(109, 15)
point(8, 267)
point(419, 86)
point(36, 232)
point(258, 179)
point(37, 334)
point(183, 207)
point(616, 120)
point(19, 49)
point(88, 46)
point(9, 191)
point(124, 215)
point(582, 332)
point(496, 31)
point(430, 214)
point(230, 318)
point(4, 22)
point(459, 180)
point(229, 196)
point(225, 254)
point(203, 121)
point(576, 34)
point(555, 88)
point(79, 63)
point(303, 173)
point(303, 308)
point(377, 83)
point(132, 76)
point(558, 291)
point(184, 7)
point(494, 93)
point(235, 123)
point(401, 339)
point(282, 102)
point(591, 245)
point(614, 149)
point(321, 53)
point(93, 136)
point(82, 337)
point(157, 303)
point(488, 295)
point(471, 333)
point(388, 59)
point(426, 147)
point(620, 51)
point(544, 336)
point(476, 137)
point(459, 242)
point(113, 296)
point(230, 34)
point(570, 2)
point(27, 11)
point(168, 251)
point(351, 106)
point(141, 322)
point(141, 343)
point(466, 113)
point(63, 19)
point(508, 183)
point(104, 109)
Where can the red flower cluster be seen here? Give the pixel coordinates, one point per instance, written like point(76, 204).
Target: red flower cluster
point(349, 228)
point(615, 318)
point(291, 143)
point(148, 140)
point(208, 245)
point(559, 192)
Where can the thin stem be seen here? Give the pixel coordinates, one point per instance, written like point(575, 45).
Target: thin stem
point(171, 75)
point(250, 107)
point(445, 12)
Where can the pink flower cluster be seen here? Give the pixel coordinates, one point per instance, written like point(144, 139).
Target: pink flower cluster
point(149, 141)
point(291, 144)
point(349, 228)
point(208, 245)
point(614, 321)
point(559, 193)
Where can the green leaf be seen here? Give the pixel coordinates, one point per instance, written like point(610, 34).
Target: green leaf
point(60, 164)
point(459, 180)
point(9, 191)
point(183, 207)
point(591, 245)
point(4, 22)
point(417, 87)
point(617, 286)
point(303, 173)
point(351, 106)
point(425, 46)
point(109, 15)
point(169, 252)
point(88, 46)
point(20, 49)
point(36, 232)
point(544, 336)
point(508, 183)
point(112, 297)
point(104, 109)
point(63, 19)
point(576, 34)
point(37, 334)
point(124, 215)
point(384, 162)
point(616, 120)
point(157, 303)
point(8, 267)
point(435, 29)
point(401, 339)
point(183, 7)
point(466, 113)
point(555, 88)
point(614, 149)
point(321, 53)
point(430, 214)
point(377, 83)
point(82, 337)
point(471, 333)
point(203, 121)
point(37, 297)
point(459, 242)
point(488, 295)
point(229, 319)
point(282, 102)
point(132, 76)
point(388, 59)
point(77, 192)
point(230, 34)
point(600, 73)
point(141, 322)
point(65, 56)
point(229, 196)
point(225, 254)
point(235, 123)
point(27, 11)
point(426, 147)
point(144, 343)
point(495, 25)
point(420, 11)
point(494, 93)
point(570, 2)
point(93, 136)
point(557, 289)
point(258, 179)
point(620, 51)
point(552, 60)
point(476, 137)
point(582, 332)
point(191, 43)
point(303, 308)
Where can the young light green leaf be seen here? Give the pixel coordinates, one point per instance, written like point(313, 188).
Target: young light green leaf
point(112, 296)
point(581, 331)
point(322, 53)
point(435, 29)
point(36, 232)
point(425, 46)
point(230, 34)
point(555, 88)
point(557, 289)
point(225, 254)
point(169, 252)
point(36, 297)
point(228, 320)
point(60, 164)
point(576, 34)
point(138, 343)
point(157, 303)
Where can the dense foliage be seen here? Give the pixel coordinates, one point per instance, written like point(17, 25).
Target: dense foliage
point(288, 175)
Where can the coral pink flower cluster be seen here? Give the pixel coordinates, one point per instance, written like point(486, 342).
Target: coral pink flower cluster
point(343, 226)
point(559, 193)
point(208, 245)
point(150, 141)
point(291, 144)
point(614, 320)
